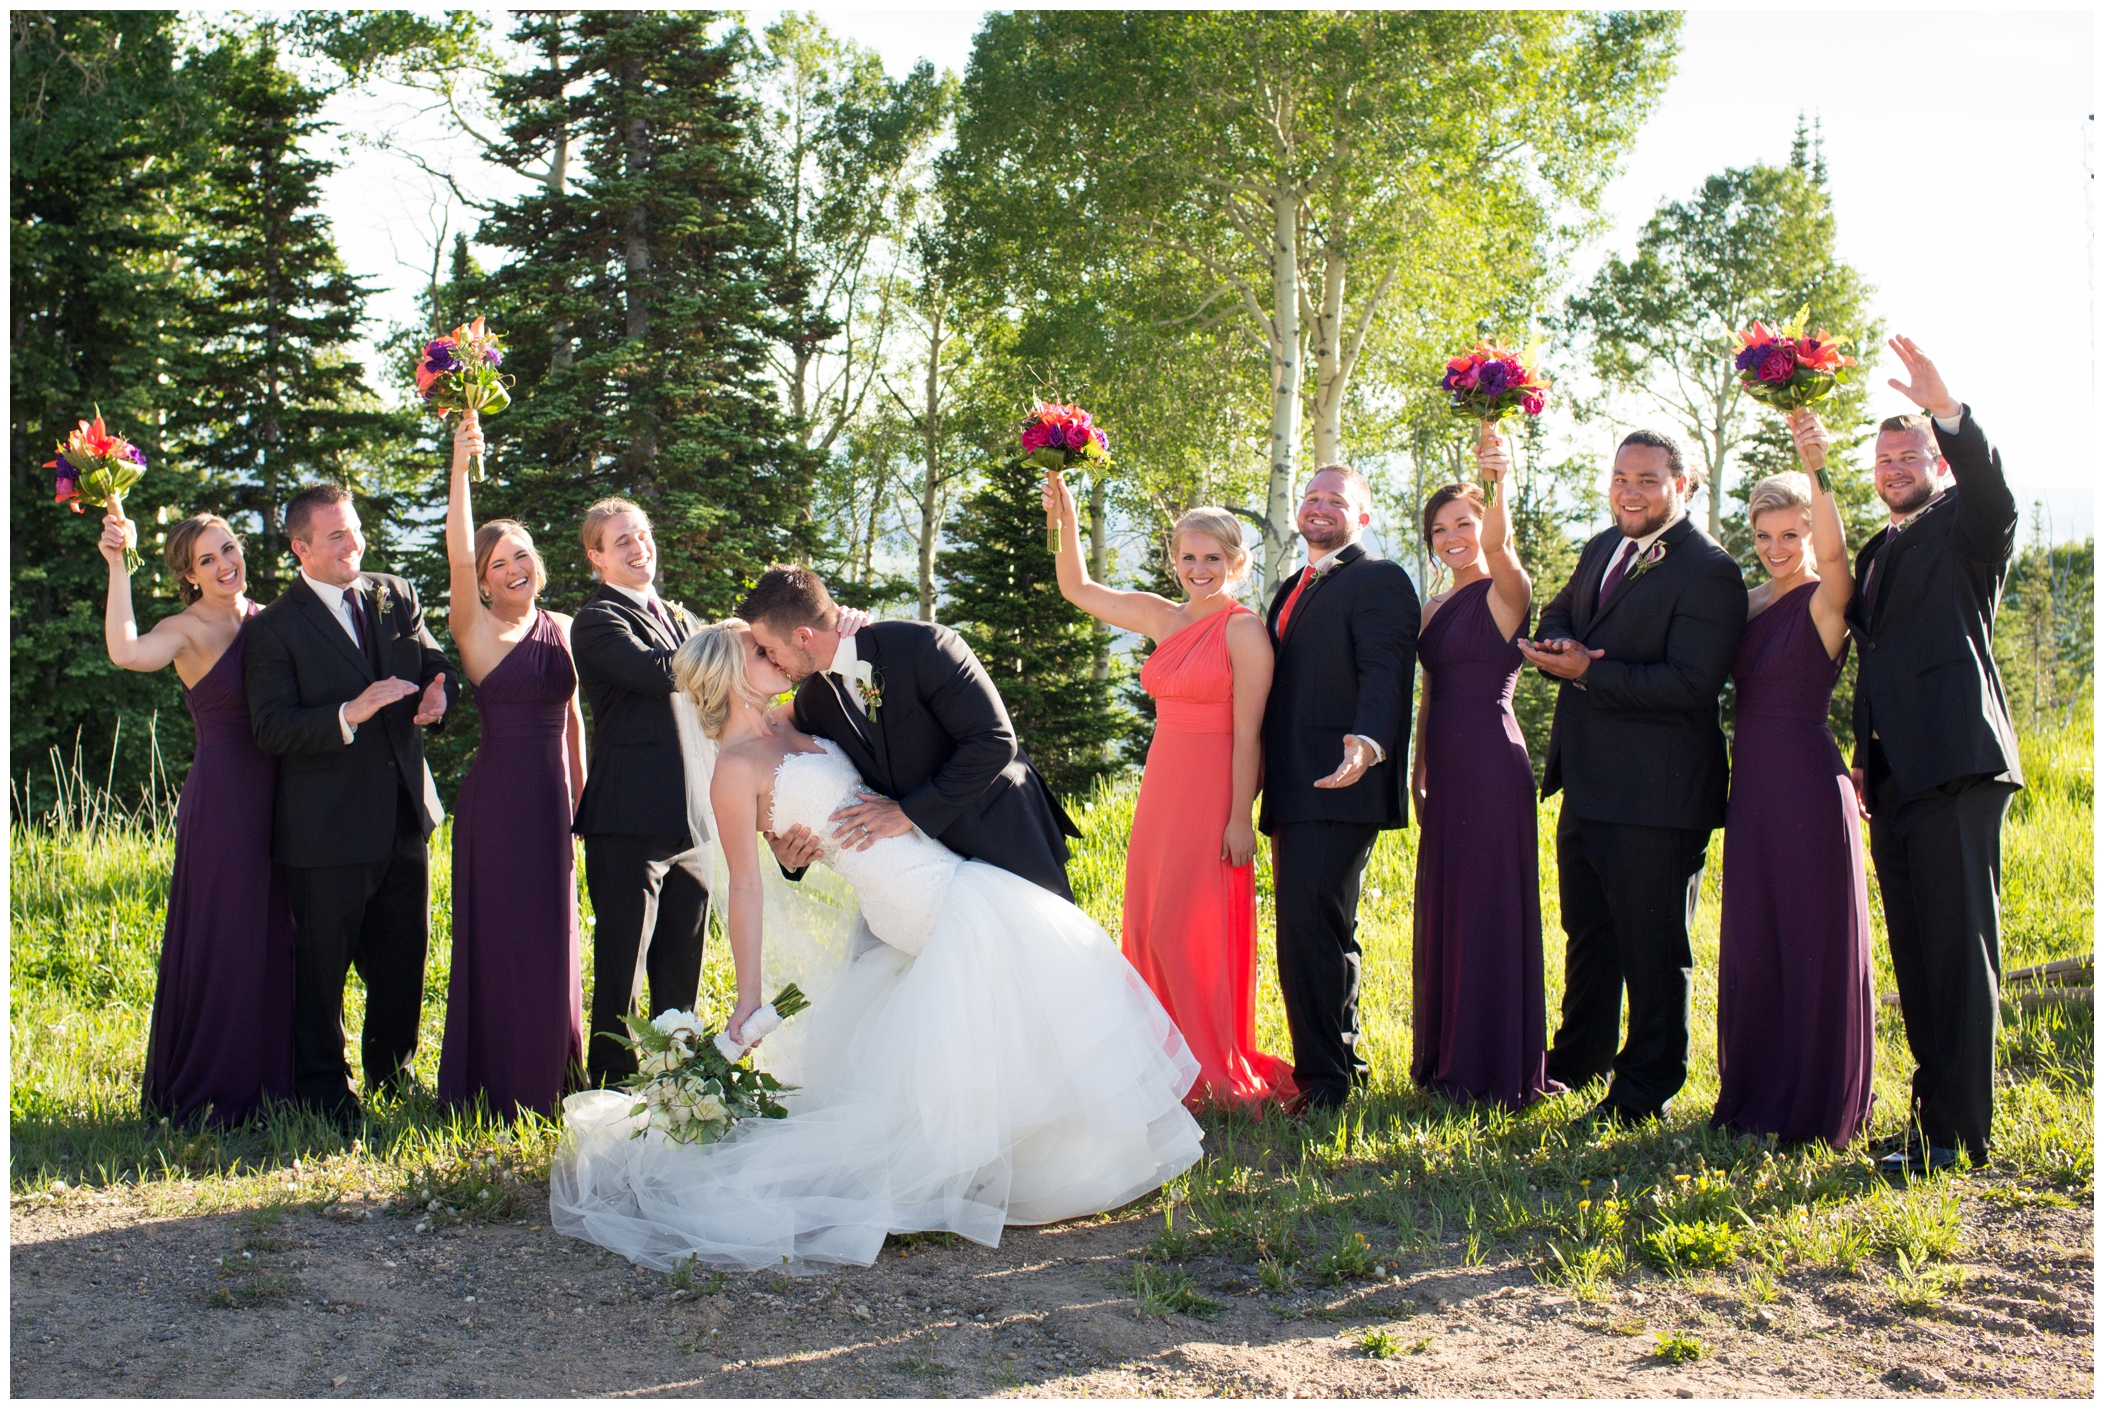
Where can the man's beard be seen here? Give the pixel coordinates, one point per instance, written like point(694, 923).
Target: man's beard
point(1925, 490)
point(1650, 525)
point(1328, 544)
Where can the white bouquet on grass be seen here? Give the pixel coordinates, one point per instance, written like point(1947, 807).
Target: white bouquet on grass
point(694, 1085)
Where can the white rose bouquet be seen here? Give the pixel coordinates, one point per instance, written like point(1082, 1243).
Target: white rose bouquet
point(695, 1085)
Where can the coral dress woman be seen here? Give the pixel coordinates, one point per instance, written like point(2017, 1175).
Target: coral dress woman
point(514, 1007)
point(1794, 1007)
point(1479, 1021)
point(1190, 885)
point(221, 1042)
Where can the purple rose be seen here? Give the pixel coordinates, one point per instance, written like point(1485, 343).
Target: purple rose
point(134, 454)
point(439, 358)
point(1750, 356)
point(1778, 364)
point(1495, 378)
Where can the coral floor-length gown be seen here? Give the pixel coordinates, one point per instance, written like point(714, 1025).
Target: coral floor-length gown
point(1190, 917)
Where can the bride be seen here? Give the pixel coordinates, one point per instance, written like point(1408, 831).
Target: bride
point(993, 1060)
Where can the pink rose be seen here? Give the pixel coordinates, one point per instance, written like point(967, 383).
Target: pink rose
point(1779, 365)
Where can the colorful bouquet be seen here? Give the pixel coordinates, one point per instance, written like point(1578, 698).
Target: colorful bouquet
point(1494, 381)
point(95, 467)
point(1056, 436)
point(458, 372)
point(695, 1085)
point(1783, 369)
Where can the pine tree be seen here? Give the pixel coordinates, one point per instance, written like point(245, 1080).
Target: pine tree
point(637, 306)
point(1002, 595)
point(106, 126)
point(275, 401)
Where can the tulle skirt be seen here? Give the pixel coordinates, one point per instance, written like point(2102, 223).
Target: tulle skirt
point(1017, 1071)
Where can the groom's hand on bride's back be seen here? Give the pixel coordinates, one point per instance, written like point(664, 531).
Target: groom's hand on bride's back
point(796, 848)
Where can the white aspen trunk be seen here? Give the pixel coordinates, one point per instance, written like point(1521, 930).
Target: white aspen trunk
point(931, 463)
point(1331, 366)
point(1285, 385)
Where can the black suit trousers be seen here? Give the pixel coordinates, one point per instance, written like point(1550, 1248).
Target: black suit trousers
point(1939, 861)
point(650, 917)
point(1628, 902)
point(1316, 882)
point(374, 917)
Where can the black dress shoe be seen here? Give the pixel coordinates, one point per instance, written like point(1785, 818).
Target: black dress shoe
point(1610, 1115)
point(1917, 1162)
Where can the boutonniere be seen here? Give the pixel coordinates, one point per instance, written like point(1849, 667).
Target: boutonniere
point(1648, 559)
point(383, 601)
point(868, 688)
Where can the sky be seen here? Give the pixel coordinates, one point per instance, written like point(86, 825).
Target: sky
point(1959, 147)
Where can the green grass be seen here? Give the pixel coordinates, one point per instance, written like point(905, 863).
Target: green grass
point(1400, 1177)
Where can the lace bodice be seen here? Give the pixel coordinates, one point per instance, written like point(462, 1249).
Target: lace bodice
point(901, 882)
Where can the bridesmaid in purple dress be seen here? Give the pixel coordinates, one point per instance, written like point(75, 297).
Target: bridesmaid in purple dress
point(514, 1010)
point(1794, 1013)
point(1479, 1020)
point(220, 1045)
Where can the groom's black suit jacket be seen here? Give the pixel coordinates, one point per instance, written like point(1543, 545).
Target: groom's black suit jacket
point(941, 743)
point(1927, 681)
point(1344, 666)
point(637, 784)
point(336, 802)
point(1640, 744)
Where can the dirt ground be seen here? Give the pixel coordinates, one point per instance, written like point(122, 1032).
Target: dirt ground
point(108, 1299)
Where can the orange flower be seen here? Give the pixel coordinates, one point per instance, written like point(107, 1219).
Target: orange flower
point(1821, 353)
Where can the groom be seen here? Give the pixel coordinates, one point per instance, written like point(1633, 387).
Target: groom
point(1336, 767)
point(343, 677)
point(917, 714)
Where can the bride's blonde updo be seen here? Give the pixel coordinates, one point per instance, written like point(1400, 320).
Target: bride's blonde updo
point(709, 669)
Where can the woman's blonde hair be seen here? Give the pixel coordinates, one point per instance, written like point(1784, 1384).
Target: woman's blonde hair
point(1792, 489)
point(488, 537)
point(709, 669)
point(181, 551)
point(1220, 526)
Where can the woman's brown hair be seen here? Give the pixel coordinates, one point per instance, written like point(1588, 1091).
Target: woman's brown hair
point(181, 551)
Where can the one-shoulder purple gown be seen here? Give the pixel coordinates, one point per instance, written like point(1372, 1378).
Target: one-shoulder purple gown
point(1794, 1012)
point(514, 1009)
point(1479, 1019)
point(221, 1039)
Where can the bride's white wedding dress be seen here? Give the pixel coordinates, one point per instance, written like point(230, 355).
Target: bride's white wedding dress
point(995, 1060)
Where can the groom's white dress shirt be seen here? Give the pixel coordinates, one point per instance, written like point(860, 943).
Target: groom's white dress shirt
point(340, 604)
point(845, 660)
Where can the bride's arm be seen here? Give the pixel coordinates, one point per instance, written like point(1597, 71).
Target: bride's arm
point(735, 794)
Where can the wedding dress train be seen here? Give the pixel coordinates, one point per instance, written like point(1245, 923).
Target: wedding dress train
point(995, 1060)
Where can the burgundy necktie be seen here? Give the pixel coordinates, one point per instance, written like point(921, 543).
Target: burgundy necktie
point(355, 600)
point(1614, 574)
point(657, 609)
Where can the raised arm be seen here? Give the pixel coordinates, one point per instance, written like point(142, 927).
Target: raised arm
point(1145, 612)
point(466, 618)
point(1511, 590)
point(120, 630)
point(734, 794)
point(1985, 529)
point(1701, 640)
point(1829, 541)
point(1249, 653)
point(961, 695)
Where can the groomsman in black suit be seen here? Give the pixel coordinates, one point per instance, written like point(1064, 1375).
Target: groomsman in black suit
point(1935, 762)
point(1642, 637)
point(921, 720)
point(1336, 767)
point(642, 814)
point(342, 679)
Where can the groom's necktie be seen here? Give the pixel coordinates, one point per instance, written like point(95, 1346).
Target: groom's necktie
point(1614, 574)
point(1285, 613)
